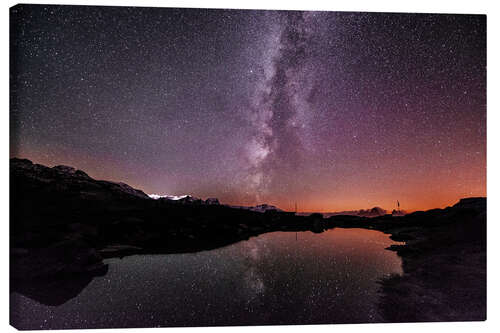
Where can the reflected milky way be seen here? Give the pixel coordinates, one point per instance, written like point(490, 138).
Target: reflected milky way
point(271, 279)
point(335, 111)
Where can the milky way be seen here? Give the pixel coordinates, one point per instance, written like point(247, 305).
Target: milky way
point(332, 110)
point(282, 108)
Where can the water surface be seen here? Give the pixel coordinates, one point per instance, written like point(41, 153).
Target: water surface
point(275, 278)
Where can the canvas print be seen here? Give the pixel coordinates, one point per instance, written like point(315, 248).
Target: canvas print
point(212, 167)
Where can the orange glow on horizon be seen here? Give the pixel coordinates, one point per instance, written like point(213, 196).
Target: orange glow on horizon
point(439, 190)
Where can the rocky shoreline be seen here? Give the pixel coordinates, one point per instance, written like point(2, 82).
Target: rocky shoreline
point(64, 223)
point(444, 268)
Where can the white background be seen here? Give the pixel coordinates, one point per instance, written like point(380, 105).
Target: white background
point(420, 6)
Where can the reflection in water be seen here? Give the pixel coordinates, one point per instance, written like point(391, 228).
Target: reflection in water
point(270, 279)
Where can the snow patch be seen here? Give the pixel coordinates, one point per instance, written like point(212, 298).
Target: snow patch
point(166, 196)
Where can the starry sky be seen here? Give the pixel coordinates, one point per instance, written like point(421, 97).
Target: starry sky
point(332, 110)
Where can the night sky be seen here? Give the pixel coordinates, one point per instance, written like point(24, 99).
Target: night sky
point(332, 110)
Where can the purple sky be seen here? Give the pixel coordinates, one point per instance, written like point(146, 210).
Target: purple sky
point(333, 110)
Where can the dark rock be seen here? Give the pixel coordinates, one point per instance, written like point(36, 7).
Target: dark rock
point(316, 216)
point(64, 169)
point(119, 251)
point(212, 201)
point(477, 203)
point(398, 212)
point(190, 200)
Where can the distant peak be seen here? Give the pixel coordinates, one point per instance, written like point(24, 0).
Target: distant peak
point(64, 168)
point(69, 170)
point(185, 198)
point(20, 161)
point(169, 197)
point(262, 208)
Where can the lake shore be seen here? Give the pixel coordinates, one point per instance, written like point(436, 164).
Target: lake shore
point(444, 271)
point(65, 223)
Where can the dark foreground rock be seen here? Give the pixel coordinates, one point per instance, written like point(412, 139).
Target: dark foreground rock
point(444, 267)
point(63, 223)
point(444, 263)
